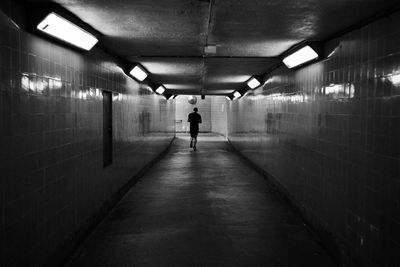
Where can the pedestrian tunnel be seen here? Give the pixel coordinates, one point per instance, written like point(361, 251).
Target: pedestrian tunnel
point(297, 161)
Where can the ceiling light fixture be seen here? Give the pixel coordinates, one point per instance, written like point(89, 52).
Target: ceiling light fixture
point(160, 90)
point(60, 28)
point(253, 83)
point(300, 56)
point(138, 73)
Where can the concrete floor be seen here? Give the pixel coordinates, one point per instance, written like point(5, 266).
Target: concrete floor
point(204, 208)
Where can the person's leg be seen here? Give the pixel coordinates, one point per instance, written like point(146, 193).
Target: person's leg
point(191, 138)
point(195, 142)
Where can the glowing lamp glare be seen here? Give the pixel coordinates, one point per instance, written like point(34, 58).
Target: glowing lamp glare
point(237, 94)
point(66, 31)
point(253, 83)
point(299, 57)
point(138, 73)
point(160, 90)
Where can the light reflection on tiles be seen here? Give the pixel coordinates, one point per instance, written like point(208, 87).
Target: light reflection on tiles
point(51, 127)
point(330, 134)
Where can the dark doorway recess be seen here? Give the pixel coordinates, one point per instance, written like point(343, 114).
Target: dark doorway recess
point(107, 128)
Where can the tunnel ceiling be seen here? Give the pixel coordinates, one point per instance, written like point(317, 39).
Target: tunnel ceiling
point(168, 37)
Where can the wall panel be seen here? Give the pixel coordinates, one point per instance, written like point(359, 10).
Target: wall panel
point(219, 119)
point(329, 133)
point(51, 118)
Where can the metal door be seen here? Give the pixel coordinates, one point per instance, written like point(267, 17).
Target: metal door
point(107, 128)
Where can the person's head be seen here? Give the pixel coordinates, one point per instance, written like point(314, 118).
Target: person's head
point(195, 110)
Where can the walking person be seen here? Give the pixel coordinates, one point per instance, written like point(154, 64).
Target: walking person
point(194, 118)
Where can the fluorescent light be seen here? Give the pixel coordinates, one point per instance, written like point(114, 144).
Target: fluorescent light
point(299, 57)
point(228, 98)
point(237, 94)
point(170, 97)
point(160, 90)
point(253, 83)
point(65, 30)
point(138, 73)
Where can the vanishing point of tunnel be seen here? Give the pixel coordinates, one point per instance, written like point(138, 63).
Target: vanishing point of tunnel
point(200, 133)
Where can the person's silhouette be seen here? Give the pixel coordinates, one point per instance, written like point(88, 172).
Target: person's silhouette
point(194, 118)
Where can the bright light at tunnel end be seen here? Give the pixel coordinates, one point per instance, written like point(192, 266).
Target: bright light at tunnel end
point(60, 28)
point(301, 56)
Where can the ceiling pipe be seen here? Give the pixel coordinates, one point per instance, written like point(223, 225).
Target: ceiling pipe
point(200, 57)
